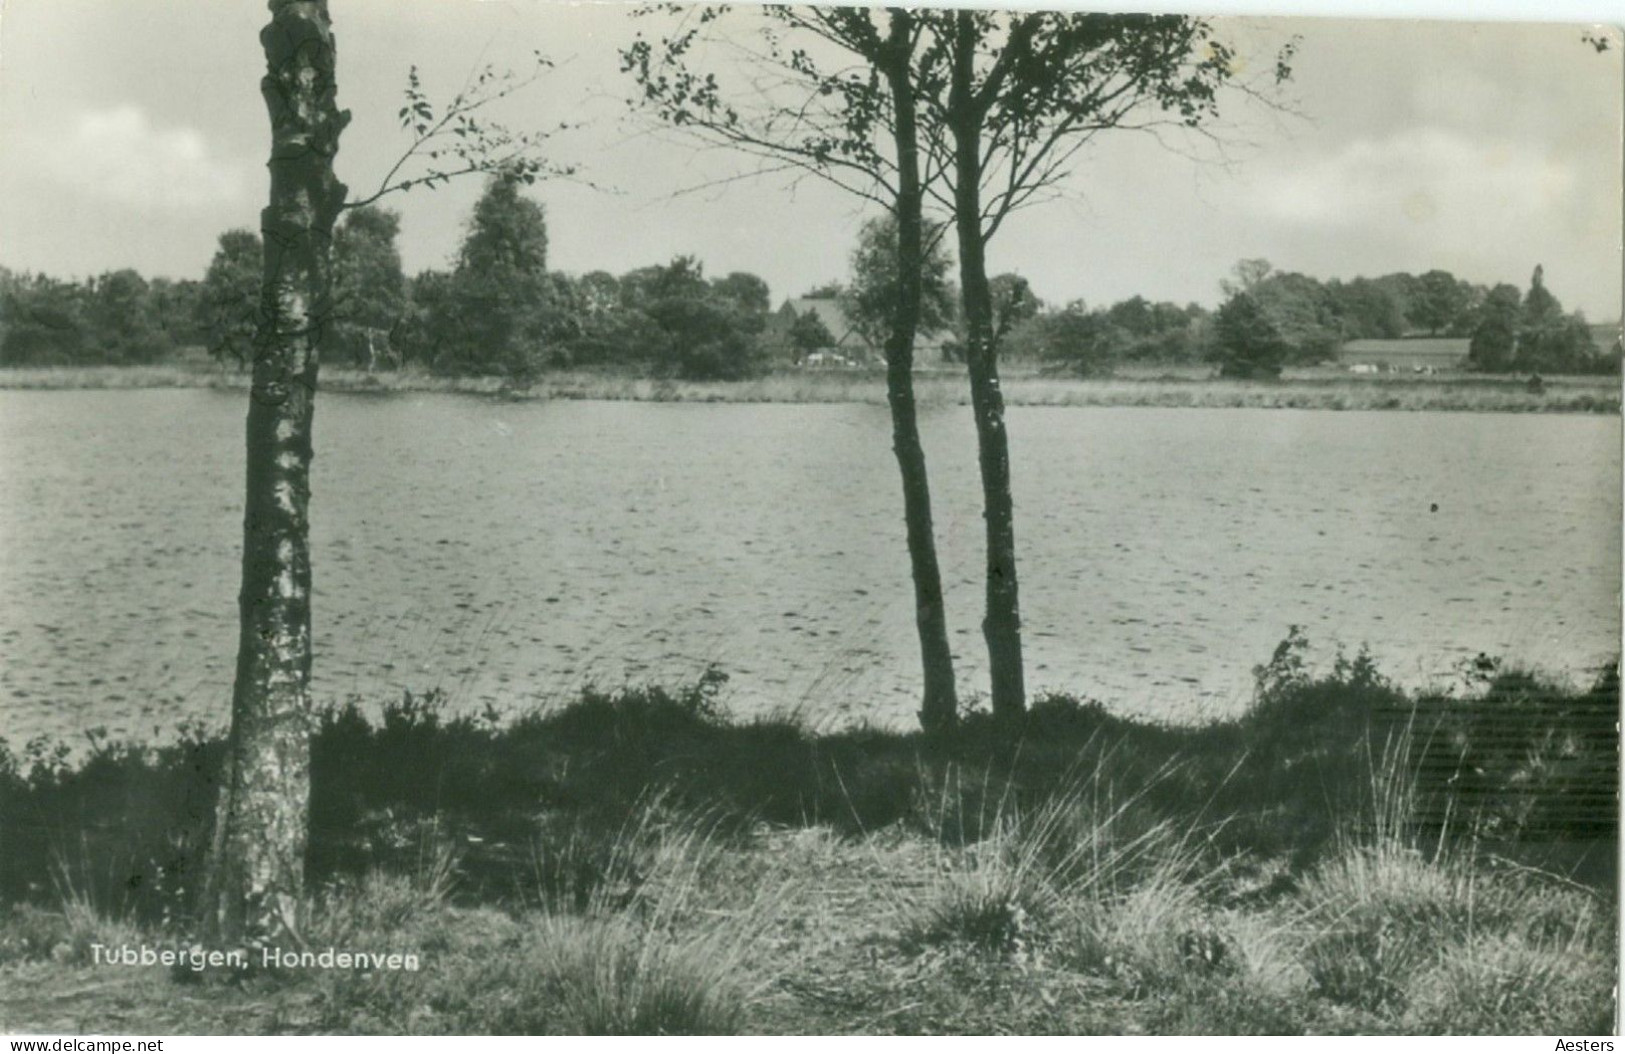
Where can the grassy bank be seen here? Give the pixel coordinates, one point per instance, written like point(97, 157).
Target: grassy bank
point(1345, 857)
point(1305, 389)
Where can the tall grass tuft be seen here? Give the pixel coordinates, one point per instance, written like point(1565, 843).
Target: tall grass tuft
point(66, 934)
point(383, 904)
point(1137, 886)
point(651, 954)
point(615, 977)
point(1426, 931)
point(1098, 876)
point(620, 937)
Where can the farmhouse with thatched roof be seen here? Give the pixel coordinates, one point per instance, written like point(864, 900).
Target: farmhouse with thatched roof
point(843, 344)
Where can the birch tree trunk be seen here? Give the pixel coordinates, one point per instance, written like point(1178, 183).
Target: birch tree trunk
point(1001, 624)
point(255, 874)
point(939, 707)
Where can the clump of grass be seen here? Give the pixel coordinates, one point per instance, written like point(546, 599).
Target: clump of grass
point(383, 903)
point(81, 918)
point(612, 978)
point(993, 885)
point(663, 958)
point(1404, 917)
point(551, 975)
point(1120, 883)
point(533, 974)
point(1139, 893)
point(29, 933)
point(65, 934)
point(660, 854)
point(1421, 929)
point(1424, 939)
point(1155, 933)
point(578, 863)
point(85, 924)
point(994, 897)
point(1383, 917)
point(1382, 906)
point(597, 958)
point(1510, 983)
point(1262, 953)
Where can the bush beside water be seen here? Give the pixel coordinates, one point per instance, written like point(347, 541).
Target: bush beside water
point(1344, 856)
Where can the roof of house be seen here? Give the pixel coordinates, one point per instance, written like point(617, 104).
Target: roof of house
point(829, 312)
point(1423, 350)
point(1605, 334)
point(835, 319)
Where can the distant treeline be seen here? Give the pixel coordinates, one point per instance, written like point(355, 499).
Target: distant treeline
point(498, 310)
point(1271, 319)
point(117, 318)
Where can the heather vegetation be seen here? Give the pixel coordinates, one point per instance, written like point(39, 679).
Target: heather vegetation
point(1344, 856)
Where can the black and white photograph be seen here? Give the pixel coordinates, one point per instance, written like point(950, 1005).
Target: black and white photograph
point(532, 518)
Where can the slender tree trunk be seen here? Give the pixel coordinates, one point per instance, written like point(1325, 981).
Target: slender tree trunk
point(256, 869)
point(939, 706)
point(1001, 625)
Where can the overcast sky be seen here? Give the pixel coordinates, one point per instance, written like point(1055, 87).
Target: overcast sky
point(132, 133)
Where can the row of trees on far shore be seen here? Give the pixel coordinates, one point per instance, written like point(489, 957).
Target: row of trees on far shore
point(1271, 319)
point(498, 310)
point(1531, 333)
point(117, 318)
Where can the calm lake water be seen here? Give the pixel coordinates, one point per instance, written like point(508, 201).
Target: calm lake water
point(509, 552)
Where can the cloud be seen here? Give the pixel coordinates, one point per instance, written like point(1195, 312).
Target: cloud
point(119, 156)
point(1487, 209)
point(1422, 176)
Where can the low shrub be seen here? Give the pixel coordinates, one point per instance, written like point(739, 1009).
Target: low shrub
point(1514, 760)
